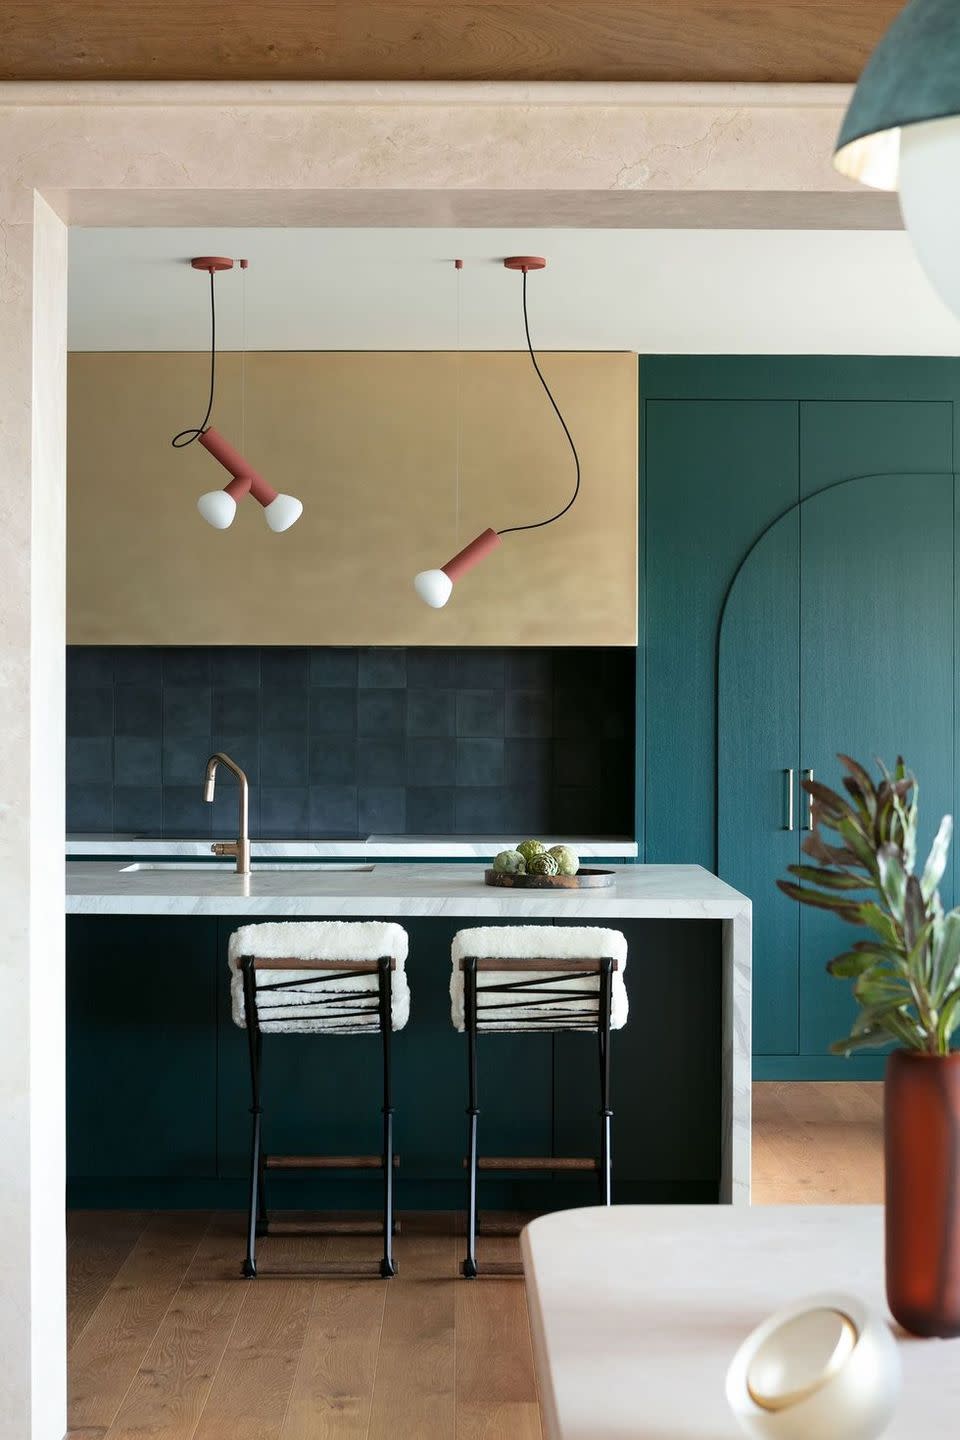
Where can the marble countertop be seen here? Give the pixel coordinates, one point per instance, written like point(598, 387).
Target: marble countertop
point(680, 892)
point(370, 847)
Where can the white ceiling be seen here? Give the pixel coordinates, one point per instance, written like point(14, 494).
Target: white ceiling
point(653, 291)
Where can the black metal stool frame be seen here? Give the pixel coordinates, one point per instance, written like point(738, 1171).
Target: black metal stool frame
point(545, 991)
point(355, 1005)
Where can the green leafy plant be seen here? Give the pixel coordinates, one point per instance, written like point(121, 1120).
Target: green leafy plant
point(906, 976)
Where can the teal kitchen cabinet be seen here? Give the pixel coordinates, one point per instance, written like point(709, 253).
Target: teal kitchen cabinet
point(800, 598)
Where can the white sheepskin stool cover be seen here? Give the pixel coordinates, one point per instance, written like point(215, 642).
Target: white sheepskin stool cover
point(535, 942)
point(343, 940)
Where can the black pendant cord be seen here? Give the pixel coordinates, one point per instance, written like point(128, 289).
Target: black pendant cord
point(187, 437)
point(538, 524)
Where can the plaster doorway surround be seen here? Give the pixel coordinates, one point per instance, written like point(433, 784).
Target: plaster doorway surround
point(284, 154)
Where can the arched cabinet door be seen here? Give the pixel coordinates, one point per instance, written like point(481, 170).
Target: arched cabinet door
point(758, 756)
point(877, 667)
point(837, 636)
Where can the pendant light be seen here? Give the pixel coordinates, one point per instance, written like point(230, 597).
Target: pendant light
point(219, 507)
point(902, 132)
point(436, 586)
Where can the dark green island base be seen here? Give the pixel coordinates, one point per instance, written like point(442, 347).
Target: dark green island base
point(158, 1084)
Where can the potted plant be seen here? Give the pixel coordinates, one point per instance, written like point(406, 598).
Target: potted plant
point(906, 980)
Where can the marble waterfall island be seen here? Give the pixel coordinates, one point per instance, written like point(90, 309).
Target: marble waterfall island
point(683, 925)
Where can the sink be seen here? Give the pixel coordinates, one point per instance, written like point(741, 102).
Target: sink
point(225, 867)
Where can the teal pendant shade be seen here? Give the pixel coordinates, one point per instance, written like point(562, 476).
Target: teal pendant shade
point(912, 76)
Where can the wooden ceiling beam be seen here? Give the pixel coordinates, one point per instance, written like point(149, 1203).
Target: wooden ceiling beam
point(779, 41)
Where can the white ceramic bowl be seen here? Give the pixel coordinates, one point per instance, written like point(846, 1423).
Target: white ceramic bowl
point(824, 1368)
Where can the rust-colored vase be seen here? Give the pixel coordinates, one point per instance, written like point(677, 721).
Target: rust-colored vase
point(922, 1157)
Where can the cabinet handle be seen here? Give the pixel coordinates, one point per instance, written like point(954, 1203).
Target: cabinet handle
point(808, 775)
point(788, 774)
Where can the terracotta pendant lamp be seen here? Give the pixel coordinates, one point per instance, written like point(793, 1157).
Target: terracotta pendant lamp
point(219, 507)
point(902, 132)
point(436, 586)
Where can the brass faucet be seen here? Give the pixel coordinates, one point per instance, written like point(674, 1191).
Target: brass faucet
point(241, 846)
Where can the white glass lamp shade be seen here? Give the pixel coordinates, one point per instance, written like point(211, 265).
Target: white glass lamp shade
point(217, 508)
point(930, 201)
point(283, 512)
point(434, 587)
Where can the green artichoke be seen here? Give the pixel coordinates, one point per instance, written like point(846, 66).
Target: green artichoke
point(529, 848)
point(509, 862)
point(544, 864)
point(568, 861)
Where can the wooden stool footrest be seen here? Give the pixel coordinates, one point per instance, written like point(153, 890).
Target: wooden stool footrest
point(283, 1229)
point(536, 1162)
point(501, 1268)
point(327, 1162)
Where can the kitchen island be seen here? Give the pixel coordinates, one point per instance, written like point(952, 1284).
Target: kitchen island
point(148, 1027)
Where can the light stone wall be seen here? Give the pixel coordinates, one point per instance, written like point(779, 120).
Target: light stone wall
point(276, 154)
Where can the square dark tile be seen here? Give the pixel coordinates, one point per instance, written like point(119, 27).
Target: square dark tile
point(236, 710)
point(431, 712)
point(575, 811)
point(90, 807)
point(381, 762)
point(284, 708)
point(577, 713)
point(381, 809)
point(186, 665)
point(575, 668)
point(430, 810)
point(481, 811)
point(186, 710)
point(138, 809)
point(481, 669)
point(287, 668)
point(333, 668)
point(528, 810)
point(234, 667)
point(381, 712)
point(529, 669)
point(184, 760)
point(333, 711)
point(333, 760)
point(530, 762)
point(333, 810)
point(138, 710)
point(89, 759)
point(431, 762)
point(90, 710)
point(480, 712)
point(283, 759)
point(577, 762)
point(382, 669)
point(480, 762)
point(136, 761)
point(89, 665)
point(284, 811)
point(529, 713)
point(137, 665)
point(185, 812)
point(432, 669)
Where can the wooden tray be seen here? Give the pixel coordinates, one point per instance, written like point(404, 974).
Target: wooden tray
point(583, 880)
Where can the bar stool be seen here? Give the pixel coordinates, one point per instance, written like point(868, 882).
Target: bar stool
point(322, 977)
point(536, 977)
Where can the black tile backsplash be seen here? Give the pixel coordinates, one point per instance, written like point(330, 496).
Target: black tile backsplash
point(349, 742)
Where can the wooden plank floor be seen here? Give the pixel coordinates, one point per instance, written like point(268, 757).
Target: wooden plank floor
point(168, 1342)
point(818, 1143)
